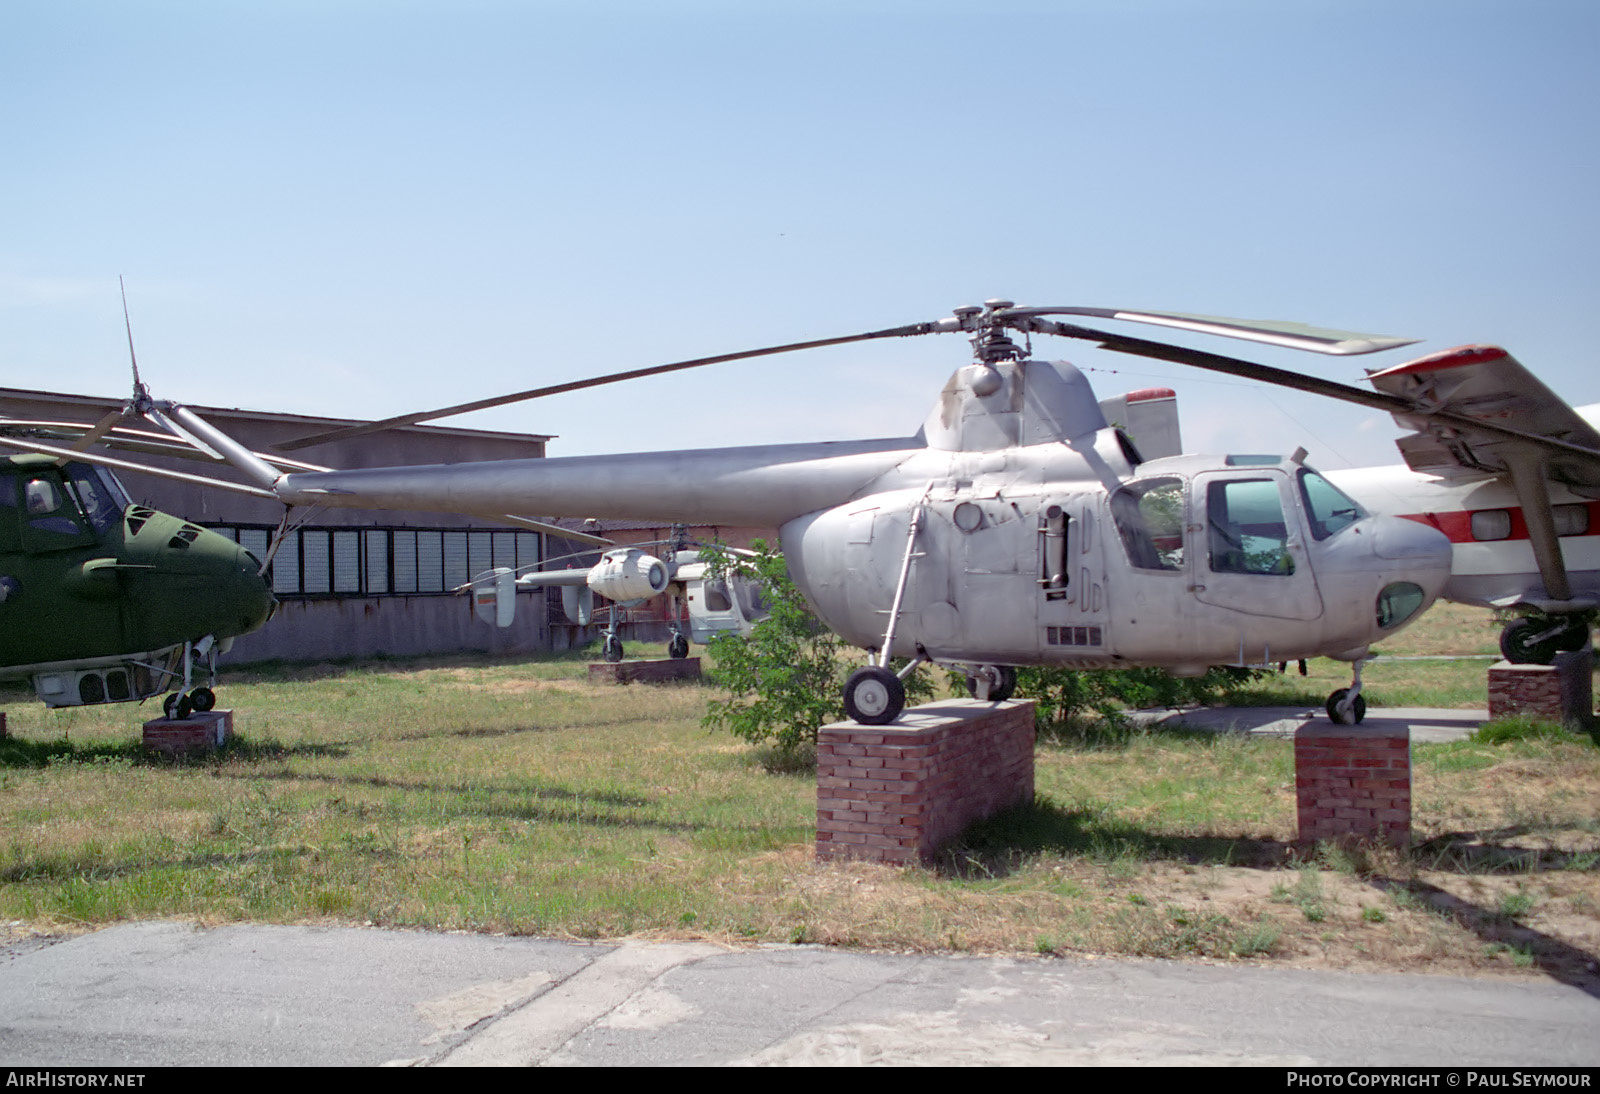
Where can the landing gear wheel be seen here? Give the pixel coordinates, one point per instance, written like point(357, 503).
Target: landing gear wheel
point(169, 706)
point(1357, 711)
point(1002, 682)
point(678, 647)
point(1527, 642)
point(202, 699)
point(612, 649)
point(874, 696)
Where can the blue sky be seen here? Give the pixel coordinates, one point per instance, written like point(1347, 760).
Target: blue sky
point(360, 208)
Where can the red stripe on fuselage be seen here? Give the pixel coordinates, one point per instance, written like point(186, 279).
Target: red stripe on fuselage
point(1457, 524)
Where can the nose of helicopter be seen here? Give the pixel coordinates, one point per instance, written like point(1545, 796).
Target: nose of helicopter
point(238, 597)
point(253, 599)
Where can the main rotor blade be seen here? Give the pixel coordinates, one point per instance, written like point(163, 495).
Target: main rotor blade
point(143, 441)
point(100, 429)
point(1272, 332)
point(129, 465)
point(550, 529)
point(1377, 400)
point(593, 381)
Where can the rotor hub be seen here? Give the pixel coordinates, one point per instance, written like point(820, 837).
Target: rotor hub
point(991, 344)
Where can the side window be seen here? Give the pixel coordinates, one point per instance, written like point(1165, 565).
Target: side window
point(1149, 518)
point(49, 515)
point(1246, 532)
point(717, 596)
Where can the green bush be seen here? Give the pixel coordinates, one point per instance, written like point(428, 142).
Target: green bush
point(1071, 702)
point(785, 679)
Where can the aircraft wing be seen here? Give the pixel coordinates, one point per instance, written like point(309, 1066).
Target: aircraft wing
point(1456, 388)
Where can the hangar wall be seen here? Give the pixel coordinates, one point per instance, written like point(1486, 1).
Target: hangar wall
point(350, 582)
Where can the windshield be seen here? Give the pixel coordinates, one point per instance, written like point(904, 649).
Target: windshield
point(1328, 509)
point(95, 498)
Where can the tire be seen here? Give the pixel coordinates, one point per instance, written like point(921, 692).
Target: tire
point(1521, 645)
point(613, 649)
point(1358, 709)
point(678, 648)
point(169, 707)
point(202, 699)
point(1000, 690)
point(874, 696)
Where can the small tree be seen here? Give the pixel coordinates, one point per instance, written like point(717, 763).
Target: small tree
point(784, 680)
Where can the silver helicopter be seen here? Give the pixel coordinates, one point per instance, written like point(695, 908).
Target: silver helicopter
point(1016, 527)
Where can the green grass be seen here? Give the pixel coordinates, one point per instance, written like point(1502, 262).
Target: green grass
point(512, 796)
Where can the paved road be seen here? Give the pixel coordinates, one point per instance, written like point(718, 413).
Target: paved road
point(1426, 724)
point(165, 993)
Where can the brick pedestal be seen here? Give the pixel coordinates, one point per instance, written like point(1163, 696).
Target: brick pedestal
point(1353, 782)
point(1562, 692)
point(198, 733)
point(662, 671)
point(897, 793)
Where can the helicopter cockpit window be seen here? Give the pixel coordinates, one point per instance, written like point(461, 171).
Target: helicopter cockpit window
point(1149, 516)
point(717, 598)
point(47, 509)
point(96, 501)
point(1328, 508)
point(1247, 533)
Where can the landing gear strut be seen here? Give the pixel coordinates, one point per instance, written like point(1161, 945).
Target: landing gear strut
point(1533, 640)
point(181, 703)
point(1346, 707)
point(875, 696)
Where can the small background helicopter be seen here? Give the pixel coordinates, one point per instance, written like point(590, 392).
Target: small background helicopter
point(1016, 527)
point(628, 576)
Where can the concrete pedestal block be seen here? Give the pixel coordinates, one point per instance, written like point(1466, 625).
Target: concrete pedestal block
point(198, 733)
point(1562, 692)
point(661, 671)
point(1353, 782)
point(897, 793)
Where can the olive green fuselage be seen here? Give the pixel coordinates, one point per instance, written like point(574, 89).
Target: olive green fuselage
point(84, 575)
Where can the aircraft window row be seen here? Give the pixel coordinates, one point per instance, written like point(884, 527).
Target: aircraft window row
point(1492, 524)
point(1247, 531)
point(316, 562)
